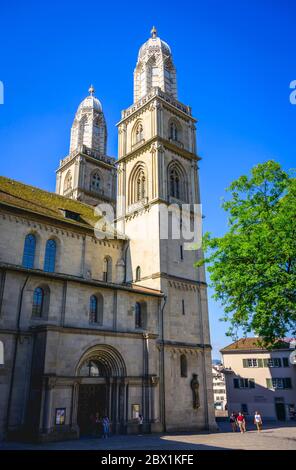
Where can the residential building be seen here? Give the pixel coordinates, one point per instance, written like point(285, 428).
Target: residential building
point(259, 379)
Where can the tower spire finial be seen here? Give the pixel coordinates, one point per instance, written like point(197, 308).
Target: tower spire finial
point(154, 32)
point(91, 90)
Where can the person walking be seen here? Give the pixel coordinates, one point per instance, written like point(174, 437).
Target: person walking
point(233, 422)
point(140, 421)
point(106, 427)
point(241, 423)
point(258, 421)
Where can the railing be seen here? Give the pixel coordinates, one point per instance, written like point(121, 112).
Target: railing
point(156, 92)
point(82, 149)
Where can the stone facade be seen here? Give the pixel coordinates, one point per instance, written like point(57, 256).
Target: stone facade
point(123, 322)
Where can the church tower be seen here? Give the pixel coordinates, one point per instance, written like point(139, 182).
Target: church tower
point(157, 176)
point(87, 174)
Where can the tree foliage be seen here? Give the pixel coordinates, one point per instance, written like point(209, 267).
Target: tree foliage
point(253, 266)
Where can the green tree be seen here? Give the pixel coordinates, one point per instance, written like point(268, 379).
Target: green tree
point(253, 266)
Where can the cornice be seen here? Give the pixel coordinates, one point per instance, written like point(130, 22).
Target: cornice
point(160, 141)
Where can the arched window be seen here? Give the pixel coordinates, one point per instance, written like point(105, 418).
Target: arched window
point(183, 365)
point(173, 132)
point(96, 182)
point(93, 309)
point(138, 273)
point(107, 269)
point(96, 309)
point(139, 133)
point(141, 184)
point(140, 315)
point(68, 182)
point(50, 256)
point(29, 251)
point(1, 353)
point(38, 302)
point(174, 184)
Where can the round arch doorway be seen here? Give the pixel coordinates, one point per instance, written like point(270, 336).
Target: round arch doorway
point(102, 390)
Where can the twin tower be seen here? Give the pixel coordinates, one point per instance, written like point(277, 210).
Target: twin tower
point(156, 168)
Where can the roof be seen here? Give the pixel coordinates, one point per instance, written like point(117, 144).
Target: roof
point(44, 203)
point(253, 344)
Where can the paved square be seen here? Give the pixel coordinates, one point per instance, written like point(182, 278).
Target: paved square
point(273, 437)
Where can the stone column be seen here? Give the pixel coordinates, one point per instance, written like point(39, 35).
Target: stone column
point(49, 385)
point(75, 397)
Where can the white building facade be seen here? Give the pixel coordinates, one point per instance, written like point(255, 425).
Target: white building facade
point(260, 380)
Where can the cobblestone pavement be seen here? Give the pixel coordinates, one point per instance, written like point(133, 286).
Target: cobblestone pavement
point(273, 437)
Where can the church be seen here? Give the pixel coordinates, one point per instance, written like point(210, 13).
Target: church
point(102, 315)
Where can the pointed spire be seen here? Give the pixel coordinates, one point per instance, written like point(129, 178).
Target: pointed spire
point(153, 32)
point(91, 90)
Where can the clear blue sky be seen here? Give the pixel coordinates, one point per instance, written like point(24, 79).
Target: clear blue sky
point(235, 61)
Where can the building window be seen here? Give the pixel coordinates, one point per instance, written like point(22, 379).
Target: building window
point(107, 269)
point(275, 362)
point(173, 132)
point(50, 256)
point(138, 184)
point(68, 182)
point(139, 134)
point(96, 309)
point(138, 273)
point(183, 365)
point(140, 315)
point(174, 184)
point(181, 252)
point(177, 185)
point(286, 362)
point(1, 353)
point(93, 309)
point(38, 301)
point(29, 251)
point(279, 383)
point(183, 307)
point(96, 182)
point(141, 184)
point(244, 408)
point(243, 383)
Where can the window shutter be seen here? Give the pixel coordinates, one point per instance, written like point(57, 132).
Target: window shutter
point(287, 382)
point(285, 362)
point(260, 362)
point(235, 383)
point(269, 383)
point(251, 383)
point(265, 362)
point(245, 363)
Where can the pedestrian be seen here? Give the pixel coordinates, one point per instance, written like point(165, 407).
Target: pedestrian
point(258, 421)
point(233, 422)
point(241, 423)
point(140, 421)
point(106, 427)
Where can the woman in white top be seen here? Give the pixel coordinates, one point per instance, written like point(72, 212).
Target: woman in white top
point(258, 421)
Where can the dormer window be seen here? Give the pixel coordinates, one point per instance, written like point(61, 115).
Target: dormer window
point(70, 214)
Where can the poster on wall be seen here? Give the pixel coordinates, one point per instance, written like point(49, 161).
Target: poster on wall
point(60, 416)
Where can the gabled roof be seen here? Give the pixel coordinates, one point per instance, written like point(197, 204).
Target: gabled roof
point(252, 344)
point(14, 194)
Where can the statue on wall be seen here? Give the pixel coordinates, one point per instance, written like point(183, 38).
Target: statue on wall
point(195, 391)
